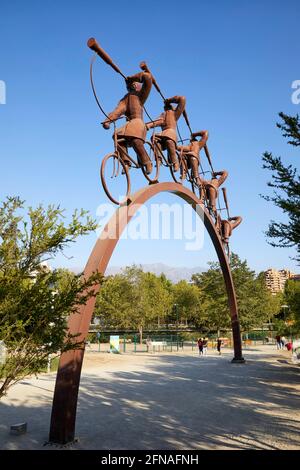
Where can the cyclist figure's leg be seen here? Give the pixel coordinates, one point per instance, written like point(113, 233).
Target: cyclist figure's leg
point(138, 146)
point(122, 147)
point(194, 162)
point(218, 225)
point(212, 194)
point(225, 232)
point(182, 170)
point(171, 148)
point(184, 165)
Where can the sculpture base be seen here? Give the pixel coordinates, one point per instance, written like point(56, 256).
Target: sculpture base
point(240, 360)
point(59, 445)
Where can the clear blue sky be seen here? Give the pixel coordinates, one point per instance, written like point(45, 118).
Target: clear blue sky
point(234, 60)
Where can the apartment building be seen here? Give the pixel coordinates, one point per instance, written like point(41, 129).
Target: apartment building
point(275, 280)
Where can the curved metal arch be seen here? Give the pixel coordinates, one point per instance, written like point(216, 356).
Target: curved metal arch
point(64, 407)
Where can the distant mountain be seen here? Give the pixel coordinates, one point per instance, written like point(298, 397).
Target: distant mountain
point(173, 273)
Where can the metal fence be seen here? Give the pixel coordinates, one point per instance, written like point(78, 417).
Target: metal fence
point(130, 343)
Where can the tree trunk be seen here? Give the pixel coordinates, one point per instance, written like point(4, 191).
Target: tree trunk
point(141, 334)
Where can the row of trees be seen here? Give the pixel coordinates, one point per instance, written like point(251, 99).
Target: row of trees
point(139, 300)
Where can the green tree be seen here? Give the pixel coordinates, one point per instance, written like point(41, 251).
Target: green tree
point(133, 299)
point(158, 298)
point(265, 305)
point(214, 305)
point(255, 303)
point(186, 297)
point(114, 302)
point(286, 195)
point(141, 312)
point(34, 302)
point(292, 299)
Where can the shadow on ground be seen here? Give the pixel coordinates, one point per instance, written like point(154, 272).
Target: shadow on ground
point(173, 402)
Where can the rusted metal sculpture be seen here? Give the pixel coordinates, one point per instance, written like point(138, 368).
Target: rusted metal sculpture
point(212, 189)
point(191, 154)
point(63, 416)
point(168, 122)
point(228, 225)
point(225, 227)
point(133, 133)
point(187, 157)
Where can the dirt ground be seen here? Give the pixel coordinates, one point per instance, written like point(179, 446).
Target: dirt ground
point(168, 400)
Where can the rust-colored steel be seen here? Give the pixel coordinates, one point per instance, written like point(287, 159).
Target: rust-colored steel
point(92, 44)
point(63, 416)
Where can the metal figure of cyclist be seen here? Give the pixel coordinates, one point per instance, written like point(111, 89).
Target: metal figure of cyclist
point(225, 228)
point(191, 155)
point(167, 139)
point(133, 133)
point(228, 225)
point(212, 188)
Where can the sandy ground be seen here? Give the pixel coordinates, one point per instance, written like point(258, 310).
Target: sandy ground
point(168, 401)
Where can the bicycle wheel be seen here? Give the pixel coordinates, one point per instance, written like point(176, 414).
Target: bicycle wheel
point(113, 169)
point(153, 177)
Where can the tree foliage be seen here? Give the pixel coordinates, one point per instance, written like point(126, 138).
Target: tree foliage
point(255, 303)
point(292, 299)
point(286, 195)
point(187, 301)
point(35, 302)
point(138, 300)
point(133, 299)
point(214, 305)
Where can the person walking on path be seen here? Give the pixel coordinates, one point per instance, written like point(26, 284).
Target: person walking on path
point(219, 344)
point(278, 342)
point(200, 346)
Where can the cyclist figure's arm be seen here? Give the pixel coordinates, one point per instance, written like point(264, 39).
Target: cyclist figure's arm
point(156, 123)
point(235, 221)
point(180, 101)
point(203, 135)
point(116, 113)
point(223, 175)
point(146, 88)
point(146, 79)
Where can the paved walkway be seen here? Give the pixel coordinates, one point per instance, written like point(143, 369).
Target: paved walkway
point(168, 401)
